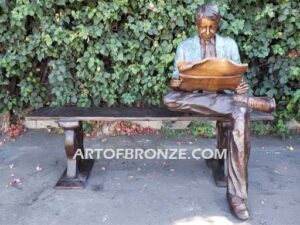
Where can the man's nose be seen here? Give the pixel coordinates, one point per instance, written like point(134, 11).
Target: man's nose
point(207, 31)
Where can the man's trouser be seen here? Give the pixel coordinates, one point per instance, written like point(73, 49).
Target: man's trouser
point(233, 136)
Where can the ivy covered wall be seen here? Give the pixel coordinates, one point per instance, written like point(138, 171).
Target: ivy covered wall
point(61, 52)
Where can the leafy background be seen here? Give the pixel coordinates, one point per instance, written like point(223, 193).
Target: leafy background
point(97, 53)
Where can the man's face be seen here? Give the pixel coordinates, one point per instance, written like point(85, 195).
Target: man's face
point(207, 28)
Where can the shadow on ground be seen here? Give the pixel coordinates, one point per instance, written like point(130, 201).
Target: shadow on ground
point(175, 192)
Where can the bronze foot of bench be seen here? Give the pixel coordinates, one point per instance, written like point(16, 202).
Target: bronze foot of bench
point(218, 165)
point(217, 168)
point(80, 180)
point(220, 178)
point(78, 169)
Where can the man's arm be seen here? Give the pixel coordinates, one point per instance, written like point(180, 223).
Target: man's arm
point(243, 87)
point(234, 52)
point(175, 81)
point(178, 57)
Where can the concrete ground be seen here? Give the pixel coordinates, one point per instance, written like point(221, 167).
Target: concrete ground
point(174, 192)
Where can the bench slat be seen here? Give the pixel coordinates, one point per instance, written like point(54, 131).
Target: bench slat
point(127, 114)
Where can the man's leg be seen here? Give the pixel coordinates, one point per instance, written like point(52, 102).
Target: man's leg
point(239, 139)
point(205, 104)
point(237, 162)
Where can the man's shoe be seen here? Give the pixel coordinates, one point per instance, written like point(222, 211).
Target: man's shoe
point(238, 207)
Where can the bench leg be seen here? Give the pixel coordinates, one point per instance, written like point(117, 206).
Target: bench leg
point(218, 166)
point(78, 170)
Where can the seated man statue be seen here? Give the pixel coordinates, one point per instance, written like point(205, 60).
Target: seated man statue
point(235, 134)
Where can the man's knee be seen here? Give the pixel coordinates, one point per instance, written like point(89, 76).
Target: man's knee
point(166, 99)
point(170, 98)
point(240, 112)
point(241, 117)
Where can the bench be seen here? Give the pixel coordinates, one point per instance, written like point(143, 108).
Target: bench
point(71, 118)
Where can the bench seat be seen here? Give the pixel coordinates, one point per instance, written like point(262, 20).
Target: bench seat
point(127, 114)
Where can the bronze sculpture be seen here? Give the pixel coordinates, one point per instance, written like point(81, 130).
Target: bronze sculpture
point(235, 135)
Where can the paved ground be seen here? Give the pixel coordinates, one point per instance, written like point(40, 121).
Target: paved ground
point(144, 191)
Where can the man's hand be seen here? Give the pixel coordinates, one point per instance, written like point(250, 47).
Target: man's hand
point(175, 83)
point(242, 88)
point(184, 65)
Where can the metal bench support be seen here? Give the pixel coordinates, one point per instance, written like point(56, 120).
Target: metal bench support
point(78, 170)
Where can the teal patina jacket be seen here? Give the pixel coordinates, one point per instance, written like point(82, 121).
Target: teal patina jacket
point(190, 50)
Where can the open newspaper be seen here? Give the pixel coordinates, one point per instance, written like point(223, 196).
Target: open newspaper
point(210, 74)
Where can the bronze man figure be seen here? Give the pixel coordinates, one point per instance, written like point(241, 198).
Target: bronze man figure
point(235, 135)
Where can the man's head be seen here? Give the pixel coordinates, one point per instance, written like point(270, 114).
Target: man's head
point(207, 20)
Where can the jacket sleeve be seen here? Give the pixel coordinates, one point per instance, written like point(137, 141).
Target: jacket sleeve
point(178, 57)
point(235, 57)
point(234, 52)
